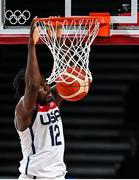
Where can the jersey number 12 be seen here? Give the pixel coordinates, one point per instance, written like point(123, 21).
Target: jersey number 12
point(55, 134)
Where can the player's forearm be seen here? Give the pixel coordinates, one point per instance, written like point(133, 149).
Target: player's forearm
point(32, 75)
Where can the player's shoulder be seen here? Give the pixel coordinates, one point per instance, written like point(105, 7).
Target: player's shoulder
point(23, 119)
point(20, 101)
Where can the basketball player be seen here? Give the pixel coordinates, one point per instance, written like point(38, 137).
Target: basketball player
point(38, 121)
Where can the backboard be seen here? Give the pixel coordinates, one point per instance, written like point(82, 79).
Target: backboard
point(124, 23)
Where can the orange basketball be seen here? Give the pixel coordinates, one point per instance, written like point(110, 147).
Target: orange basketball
point(76, 90)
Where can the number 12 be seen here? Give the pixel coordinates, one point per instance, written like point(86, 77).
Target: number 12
point(55, 133)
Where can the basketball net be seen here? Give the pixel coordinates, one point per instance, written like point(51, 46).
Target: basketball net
point(69, 43)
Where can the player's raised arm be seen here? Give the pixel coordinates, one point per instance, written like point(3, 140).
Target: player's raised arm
point(24, 108)
point(32, 74)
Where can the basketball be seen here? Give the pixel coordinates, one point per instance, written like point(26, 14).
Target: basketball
point(76, 90)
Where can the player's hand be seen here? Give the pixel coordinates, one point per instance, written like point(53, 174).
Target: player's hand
point(57, 28)
point(34, 34)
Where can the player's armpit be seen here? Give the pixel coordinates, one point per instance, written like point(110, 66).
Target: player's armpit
point(23, 117)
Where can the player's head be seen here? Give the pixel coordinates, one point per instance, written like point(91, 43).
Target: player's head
point(44, 91)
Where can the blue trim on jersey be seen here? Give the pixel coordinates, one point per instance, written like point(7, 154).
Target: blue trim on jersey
point(32, 138)
point(26, 170)
point(35, 111)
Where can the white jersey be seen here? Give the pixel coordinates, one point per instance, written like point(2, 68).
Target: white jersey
point(43, 144)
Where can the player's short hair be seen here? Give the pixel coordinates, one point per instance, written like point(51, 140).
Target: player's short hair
point(19, 83)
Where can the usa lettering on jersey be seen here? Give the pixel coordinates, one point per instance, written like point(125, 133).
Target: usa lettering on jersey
point(50, 118)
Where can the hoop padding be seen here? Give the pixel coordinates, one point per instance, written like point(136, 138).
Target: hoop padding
point(69, 43)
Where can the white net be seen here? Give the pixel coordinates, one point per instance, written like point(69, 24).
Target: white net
point(69, 44)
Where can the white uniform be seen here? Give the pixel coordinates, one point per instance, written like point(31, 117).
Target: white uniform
point(43, 145)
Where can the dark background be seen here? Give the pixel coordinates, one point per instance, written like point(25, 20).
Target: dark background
point(101, 131)
point(48, 8)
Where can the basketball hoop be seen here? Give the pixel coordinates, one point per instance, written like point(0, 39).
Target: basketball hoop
point(69, 40)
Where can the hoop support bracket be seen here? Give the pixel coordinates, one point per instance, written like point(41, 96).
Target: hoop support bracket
point(104, 19)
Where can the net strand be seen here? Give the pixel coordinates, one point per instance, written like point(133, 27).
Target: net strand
point(71, 49)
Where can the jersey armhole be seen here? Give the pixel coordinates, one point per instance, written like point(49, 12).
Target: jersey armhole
point(35, 111)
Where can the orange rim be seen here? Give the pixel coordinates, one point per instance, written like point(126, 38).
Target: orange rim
point(69, 19)
point(102, 18)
